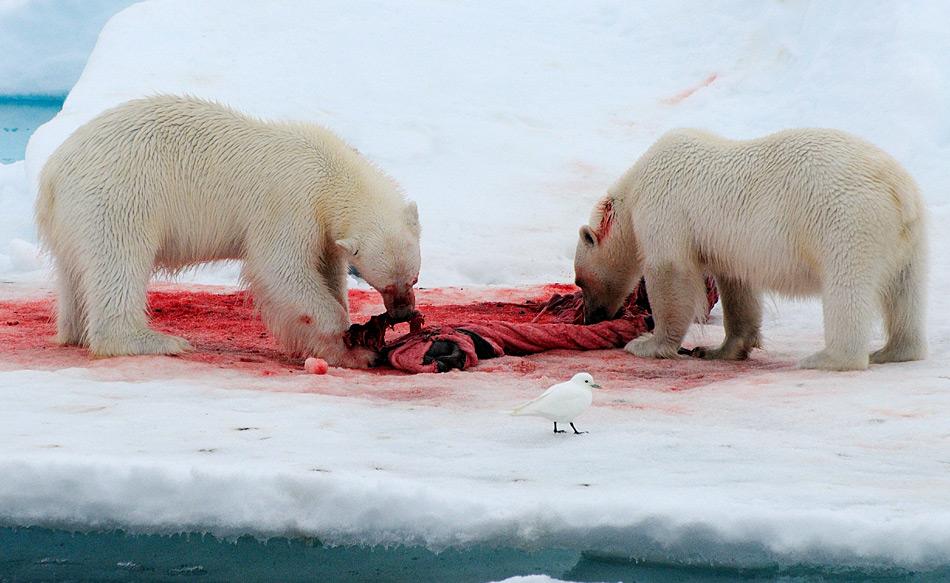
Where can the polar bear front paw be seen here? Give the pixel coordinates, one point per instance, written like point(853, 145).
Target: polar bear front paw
point(358, 358)
point(827, 361)
point(648, 346)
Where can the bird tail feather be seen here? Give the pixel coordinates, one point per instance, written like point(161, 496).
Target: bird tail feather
point(522, 410)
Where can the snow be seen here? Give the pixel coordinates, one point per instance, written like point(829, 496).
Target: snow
point(506, 123)
point(18, 249)
point(524, 117)
point(788, 466)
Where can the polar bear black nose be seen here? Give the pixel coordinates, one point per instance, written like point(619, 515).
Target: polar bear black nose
point(595, 316)
point(400, 313)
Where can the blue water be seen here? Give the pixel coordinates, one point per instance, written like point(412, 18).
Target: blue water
point(19, 117)
point(40, 554)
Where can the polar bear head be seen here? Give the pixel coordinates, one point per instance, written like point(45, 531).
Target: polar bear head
point(607, 263)
point(384, 250)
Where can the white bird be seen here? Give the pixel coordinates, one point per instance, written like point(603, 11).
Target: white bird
point(562, 402)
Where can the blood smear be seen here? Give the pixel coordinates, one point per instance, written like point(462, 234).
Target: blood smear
point(227, 333)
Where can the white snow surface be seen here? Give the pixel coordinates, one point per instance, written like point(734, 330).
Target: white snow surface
point(19, 254)
point(506, 121)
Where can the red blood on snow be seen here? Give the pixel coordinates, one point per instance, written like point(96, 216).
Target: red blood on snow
point(227, 333)
point(224, 328)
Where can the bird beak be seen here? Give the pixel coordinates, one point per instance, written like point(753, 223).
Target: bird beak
point(595, 386)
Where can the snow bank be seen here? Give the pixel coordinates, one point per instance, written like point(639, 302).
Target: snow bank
point(45, 43)
point(506, 122)
point(787, 468)
point(18, 250)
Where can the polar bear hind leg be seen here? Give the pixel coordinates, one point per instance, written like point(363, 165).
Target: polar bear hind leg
point(115, 280)
point(902, 305)
point(849, 291)
point(742, 319)
point(70, 306)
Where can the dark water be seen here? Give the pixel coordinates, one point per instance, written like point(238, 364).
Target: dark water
point(39, 554)
point(19, 117)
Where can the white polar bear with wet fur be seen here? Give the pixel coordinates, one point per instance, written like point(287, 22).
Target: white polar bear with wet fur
point(167, 182)
point(800, 212)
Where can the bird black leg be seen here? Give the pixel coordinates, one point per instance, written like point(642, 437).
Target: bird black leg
point(576, 432)
point(556, 430)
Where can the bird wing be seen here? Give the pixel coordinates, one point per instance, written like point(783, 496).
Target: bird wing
point(527, 407)
point(562, 404)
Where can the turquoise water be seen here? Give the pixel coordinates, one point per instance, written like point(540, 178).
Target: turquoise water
point(19, 117)
point(39, 554)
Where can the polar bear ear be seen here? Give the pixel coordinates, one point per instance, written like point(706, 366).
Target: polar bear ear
point(588, 236)
point(348, 245)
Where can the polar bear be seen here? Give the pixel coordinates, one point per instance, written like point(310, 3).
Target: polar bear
point(166, 182)
point(800, 212)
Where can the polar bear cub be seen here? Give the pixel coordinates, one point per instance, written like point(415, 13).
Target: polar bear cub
point(800, 212)
point(167, 182)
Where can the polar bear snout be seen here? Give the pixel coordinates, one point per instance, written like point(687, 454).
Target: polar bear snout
point(597, 314)
point(400, 302)
point(600, 304)
point(400, 313)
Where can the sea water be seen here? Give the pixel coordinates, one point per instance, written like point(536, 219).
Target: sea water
point(19, 118)
point(41, 554)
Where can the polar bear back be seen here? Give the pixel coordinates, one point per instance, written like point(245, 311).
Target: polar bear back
point(169, 162)
point(772, 211)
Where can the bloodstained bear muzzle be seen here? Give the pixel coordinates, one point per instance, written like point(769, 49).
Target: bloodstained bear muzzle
point(400, 303)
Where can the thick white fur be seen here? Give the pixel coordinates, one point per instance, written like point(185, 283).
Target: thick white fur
point(800, 212)
point(167, 182)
